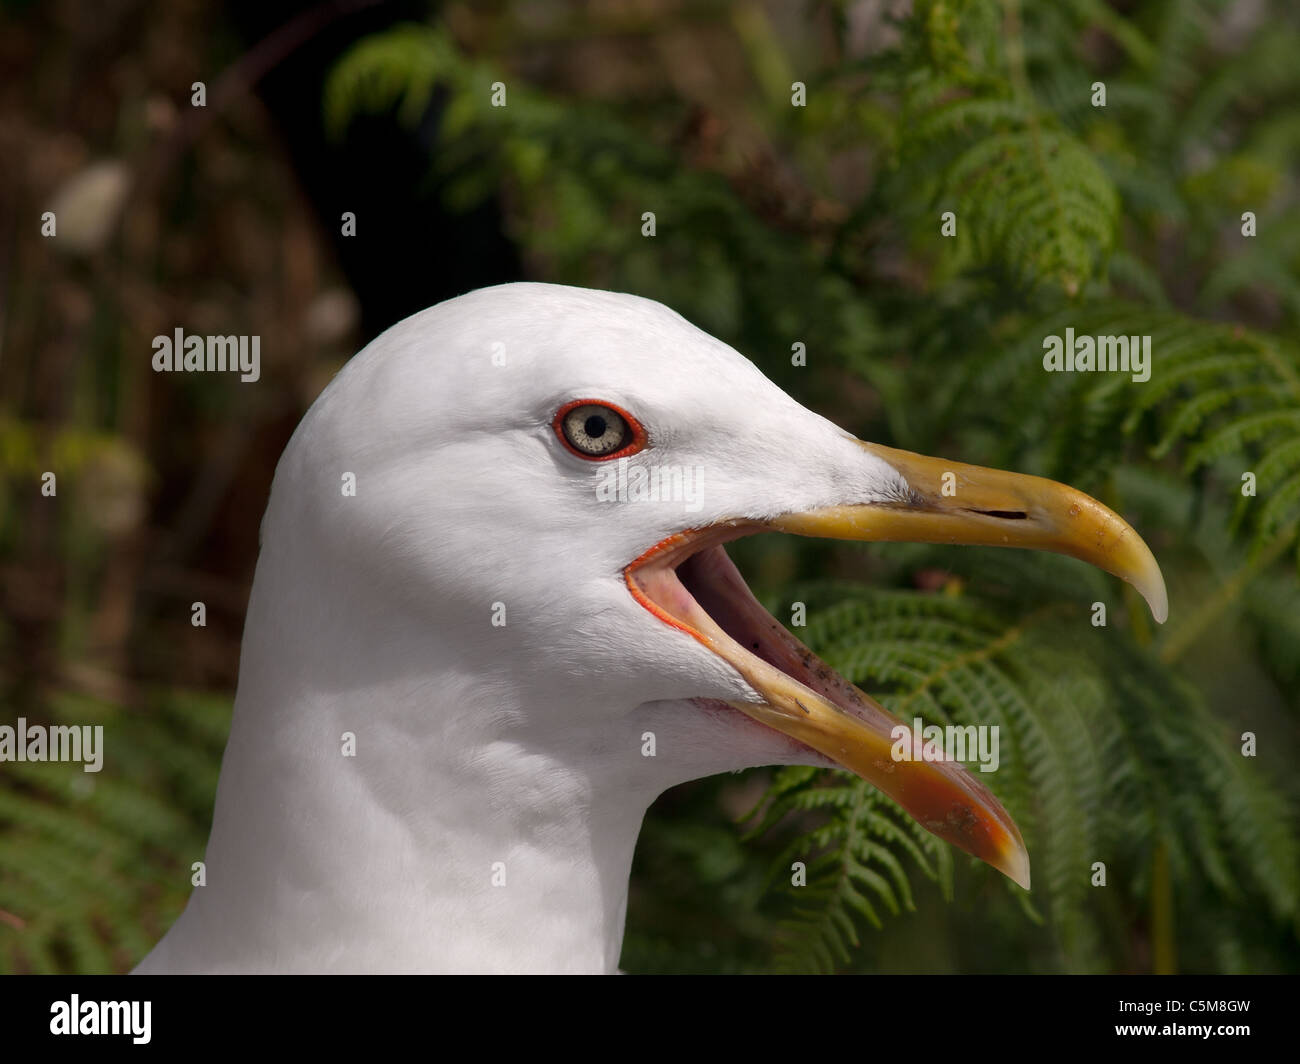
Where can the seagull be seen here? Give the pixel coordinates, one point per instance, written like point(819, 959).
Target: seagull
point(493, 618)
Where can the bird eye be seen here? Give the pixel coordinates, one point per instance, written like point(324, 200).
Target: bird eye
point(598, 431)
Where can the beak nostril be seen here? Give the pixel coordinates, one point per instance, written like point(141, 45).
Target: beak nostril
point(1006, 515)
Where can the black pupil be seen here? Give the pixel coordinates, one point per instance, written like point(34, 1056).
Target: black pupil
point(594, 426)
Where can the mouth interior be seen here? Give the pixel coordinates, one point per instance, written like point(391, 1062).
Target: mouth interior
point(705, 585)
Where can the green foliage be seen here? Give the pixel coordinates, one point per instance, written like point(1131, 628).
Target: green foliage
point(853, 863)
point(1092, 745)
point(94, 866)
point(583, 176)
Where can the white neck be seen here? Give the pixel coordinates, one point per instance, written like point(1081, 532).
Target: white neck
point(427, 851)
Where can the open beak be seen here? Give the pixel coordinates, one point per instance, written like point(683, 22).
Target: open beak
point(689, 582)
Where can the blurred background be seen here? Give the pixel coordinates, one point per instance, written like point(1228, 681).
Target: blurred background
point(1112, 166)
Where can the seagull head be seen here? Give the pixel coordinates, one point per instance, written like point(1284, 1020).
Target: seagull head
point(543, 481)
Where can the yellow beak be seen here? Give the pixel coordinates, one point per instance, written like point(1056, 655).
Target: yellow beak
point(957, 503)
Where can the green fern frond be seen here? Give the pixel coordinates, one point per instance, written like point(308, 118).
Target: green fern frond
point(851, 863)
point(1088, 753)
point(95, 866)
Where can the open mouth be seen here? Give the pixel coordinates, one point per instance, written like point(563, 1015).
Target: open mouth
point(689, 582)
